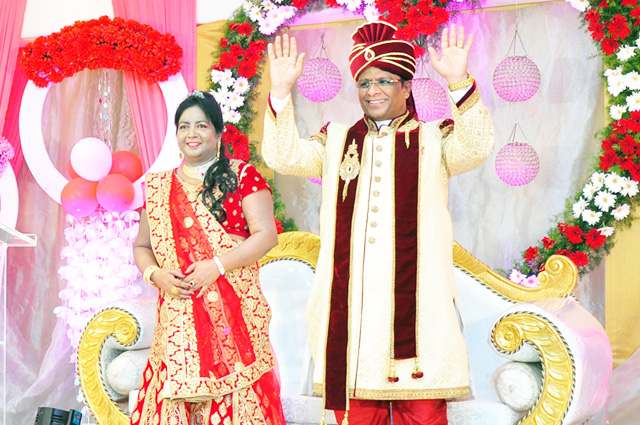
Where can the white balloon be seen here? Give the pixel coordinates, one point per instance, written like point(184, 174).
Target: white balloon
point(91, 158)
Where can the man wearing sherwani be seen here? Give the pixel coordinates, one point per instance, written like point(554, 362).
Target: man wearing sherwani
point(382, 322)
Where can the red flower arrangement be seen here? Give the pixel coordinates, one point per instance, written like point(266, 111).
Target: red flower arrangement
point(102, 43)
point(236, 142)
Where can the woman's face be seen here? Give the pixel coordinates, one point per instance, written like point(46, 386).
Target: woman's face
point(197, 138)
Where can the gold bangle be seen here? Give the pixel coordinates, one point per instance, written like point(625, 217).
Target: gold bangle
point(463, 83)
point(147, 274)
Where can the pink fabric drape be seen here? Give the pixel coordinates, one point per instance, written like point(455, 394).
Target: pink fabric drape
point(177, 17)
point(11, 18)
point(11, 129)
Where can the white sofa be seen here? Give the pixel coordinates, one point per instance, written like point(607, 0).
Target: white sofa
point(536, 355)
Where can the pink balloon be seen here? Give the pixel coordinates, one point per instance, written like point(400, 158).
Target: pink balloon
point(78, 197)
point(126, 163)
point(115, 193)
point(91, 158)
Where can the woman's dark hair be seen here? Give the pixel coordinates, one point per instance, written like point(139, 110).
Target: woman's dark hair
point(219, 175)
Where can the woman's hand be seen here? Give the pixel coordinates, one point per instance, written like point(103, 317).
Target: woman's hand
point(452, 65)
point(171, 281)
point(285, 65)
point(201, 274)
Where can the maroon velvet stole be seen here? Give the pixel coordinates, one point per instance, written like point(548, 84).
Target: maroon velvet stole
point(406, 213)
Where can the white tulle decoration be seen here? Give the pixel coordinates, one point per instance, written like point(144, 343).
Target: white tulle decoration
point(99, 268)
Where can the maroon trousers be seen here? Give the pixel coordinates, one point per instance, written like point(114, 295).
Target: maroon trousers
point(405, 412)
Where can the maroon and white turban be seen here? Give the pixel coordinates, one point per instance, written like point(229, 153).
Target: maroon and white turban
point(375, 46)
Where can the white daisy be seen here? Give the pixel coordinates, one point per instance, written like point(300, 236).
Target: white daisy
point(616, 111)
point(221, 96)
point(598, 180)
point(629, 187)
point(241, 86)
point(255, 13)
point(613, 71)
point(621, 212)
point(578, 207)
point(606, 231)
point(353, 5)
point(371, 13)
point(589, 190)
point(632, 80)
point(591, 217)
point(605, 200)
point(215, 76)
point(235, 100)
point(613, 182)
point(226, 79)
point(581, 5)
point(633, 101)
point(626, 52)
point(616, 84)
point(233, 117)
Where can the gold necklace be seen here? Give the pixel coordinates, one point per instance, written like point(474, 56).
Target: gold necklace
point(198, 171)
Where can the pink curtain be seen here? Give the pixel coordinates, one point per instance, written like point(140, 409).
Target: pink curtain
point(11, 17)
point(147, 105)
point(11, 129)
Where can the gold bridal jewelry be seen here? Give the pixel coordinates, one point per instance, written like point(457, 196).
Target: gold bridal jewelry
point(198, 171)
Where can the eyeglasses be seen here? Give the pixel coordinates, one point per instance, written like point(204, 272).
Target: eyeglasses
point(383, 83)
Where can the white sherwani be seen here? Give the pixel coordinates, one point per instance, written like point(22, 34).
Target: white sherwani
point(443, 152)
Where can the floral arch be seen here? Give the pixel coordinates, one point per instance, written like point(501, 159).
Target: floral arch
point(592, 216)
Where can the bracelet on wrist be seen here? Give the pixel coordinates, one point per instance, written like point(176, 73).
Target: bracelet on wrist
point(220, 266)
point(147, 274)
point(462, 84)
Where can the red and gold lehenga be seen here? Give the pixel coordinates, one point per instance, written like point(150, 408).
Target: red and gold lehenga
point(210, 361)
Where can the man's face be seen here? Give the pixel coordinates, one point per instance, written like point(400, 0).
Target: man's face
point(386, 99)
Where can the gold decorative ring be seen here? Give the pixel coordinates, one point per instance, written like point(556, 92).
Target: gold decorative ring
point(174, 291)
point(460, 44)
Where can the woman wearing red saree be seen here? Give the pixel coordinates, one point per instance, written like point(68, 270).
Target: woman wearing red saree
point(205, 226)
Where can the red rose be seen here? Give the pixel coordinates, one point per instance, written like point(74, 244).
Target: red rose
point(548, 242)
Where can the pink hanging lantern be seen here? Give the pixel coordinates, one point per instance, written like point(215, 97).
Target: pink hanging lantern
point(516, 78)
point(431, 99)
point(320, 80)
point(517, 163)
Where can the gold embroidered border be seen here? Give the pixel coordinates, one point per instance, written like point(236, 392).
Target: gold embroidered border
point(469, 103)
point(510, 333)
point(402, 394)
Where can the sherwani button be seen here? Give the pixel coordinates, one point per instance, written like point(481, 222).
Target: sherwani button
point(378, 164)
point(376, 193)
point(379, 148)
point(374, 209)
point(374, 224)
point(372, 240)
point(376, 178)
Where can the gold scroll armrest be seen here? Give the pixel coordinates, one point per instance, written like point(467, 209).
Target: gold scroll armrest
point(559, 278)
point(126, 330)
point(300, 246)
point(509, 334)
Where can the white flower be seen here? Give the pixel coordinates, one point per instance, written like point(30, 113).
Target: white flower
point(215, 76)
point(629, 187)
point(591, 217)
point(589, 190)
point(632, 80)
point(626, 52)
point(371, 13)
point(633, 101)
point(598, 180)
point(613, 182)
point(241, 86)
point(615, 71)
point(255, 13)
point(616, 111)
point(352, 5)
point(578, 207)
point(516, 276)
point(616, 84)
point(235, 100)
point(621, 212)
point(233, 117)
point(221, 95)
point(531, 281)
point(267, 5)
point(605, 200)
point(226, 79)
point(606, 231)
point(581, 5)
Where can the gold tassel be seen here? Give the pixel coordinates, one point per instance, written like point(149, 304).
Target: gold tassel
point(345, 421)
point(393, 377)
point(323, 421)
point(417, 373)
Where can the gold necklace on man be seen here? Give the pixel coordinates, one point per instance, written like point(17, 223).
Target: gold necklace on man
point(198, 171)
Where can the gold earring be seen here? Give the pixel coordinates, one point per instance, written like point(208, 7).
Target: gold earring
point(180, 155)
point(219, 143)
